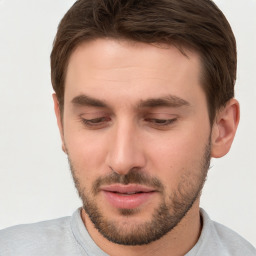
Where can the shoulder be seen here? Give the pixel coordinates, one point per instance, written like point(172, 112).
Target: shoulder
point(217, 239)
point(34, 237)
point(232, 241)
point(35, 230)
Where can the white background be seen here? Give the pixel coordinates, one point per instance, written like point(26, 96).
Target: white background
point(35, 181)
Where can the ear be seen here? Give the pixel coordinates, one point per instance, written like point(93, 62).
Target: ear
point(224, 128)
point(59, 120)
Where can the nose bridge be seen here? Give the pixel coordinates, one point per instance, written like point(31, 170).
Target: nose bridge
point(125, 151)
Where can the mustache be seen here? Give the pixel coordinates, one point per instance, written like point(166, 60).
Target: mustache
point(134, 176)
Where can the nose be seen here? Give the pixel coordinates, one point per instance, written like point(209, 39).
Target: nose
point(126, 149)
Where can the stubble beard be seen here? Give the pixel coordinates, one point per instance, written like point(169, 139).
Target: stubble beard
point(165, 217)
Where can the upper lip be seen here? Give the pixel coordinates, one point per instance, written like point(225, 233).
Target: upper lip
point(126, 189)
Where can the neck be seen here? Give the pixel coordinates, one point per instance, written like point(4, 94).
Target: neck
point(178, 241)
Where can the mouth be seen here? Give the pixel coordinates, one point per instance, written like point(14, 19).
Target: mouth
point(127, 196)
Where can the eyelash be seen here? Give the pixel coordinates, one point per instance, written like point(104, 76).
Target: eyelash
point(102, 121)
point(161, 122)
point(95, 121)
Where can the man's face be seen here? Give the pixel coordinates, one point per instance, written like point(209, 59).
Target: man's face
point(137, 133)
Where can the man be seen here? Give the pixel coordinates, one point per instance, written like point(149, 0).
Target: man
point(143, 99)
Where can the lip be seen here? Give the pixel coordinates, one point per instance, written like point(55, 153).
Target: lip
point(127, 196)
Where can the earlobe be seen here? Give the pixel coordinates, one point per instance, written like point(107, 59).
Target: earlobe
point(224, 128)
point(59, 120)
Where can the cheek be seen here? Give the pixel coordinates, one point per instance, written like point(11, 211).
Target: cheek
point(86, 152)
point(174, 157)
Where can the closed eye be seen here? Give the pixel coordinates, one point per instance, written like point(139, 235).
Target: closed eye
point(102, 122)
point(98, 122)
point(160, 122)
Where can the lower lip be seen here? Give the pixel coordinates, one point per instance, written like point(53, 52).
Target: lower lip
point(127, 201)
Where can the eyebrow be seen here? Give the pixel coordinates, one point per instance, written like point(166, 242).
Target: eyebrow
point(167, 101)
point(84, 100)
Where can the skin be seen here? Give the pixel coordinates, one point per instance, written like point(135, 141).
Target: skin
point(123, 75)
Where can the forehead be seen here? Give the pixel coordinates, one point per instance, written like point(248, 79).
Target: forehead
point(112, 70)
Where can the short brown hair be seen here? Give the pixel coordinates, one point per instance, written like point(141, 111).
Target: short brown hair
point(199, 25)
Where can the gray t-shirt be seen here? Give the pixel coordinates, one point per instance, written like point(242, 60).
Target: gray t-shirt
point(68, 236)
